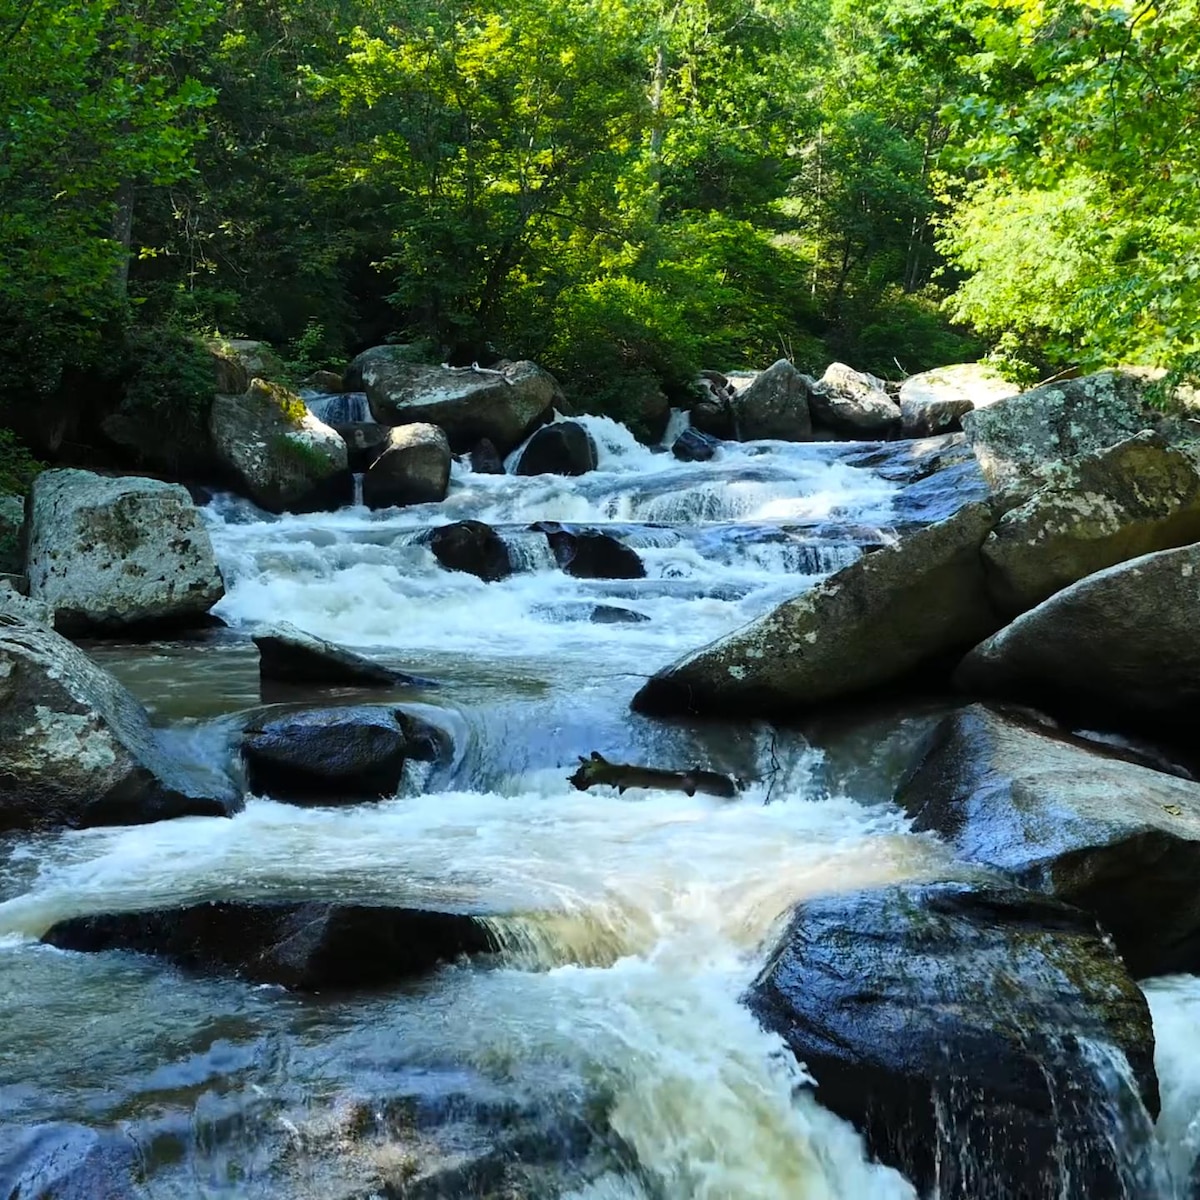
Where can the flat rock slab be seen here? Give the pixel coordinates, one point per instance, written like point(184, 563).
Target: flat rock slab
point(303, 946)
point(970, 1031)
point(1063, 817)
point(289, 655)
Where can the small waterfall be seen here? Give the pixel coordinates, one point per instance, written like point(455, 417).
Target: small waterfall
point(358, 489)
point(339, 408)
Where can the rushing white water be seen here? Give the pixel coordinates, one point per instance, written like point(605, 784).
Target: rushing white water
point(1175, 1006)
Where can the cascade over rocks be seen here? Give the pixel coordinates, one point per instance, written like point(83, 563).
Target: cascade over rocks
point(1114, 504)
point(472, 547)
point(589, 554)
point(1121, 641)
point(874, 622)
point(564, 448)
point(775, 405)
point(112, 554)
point(693, 446)
point(967, 1030)
point(1064, 817)
point(504, 405)
point(77, 750)
point(279, 454)
point(289, 655)
point(936, 401)
point(853, 404)
point(308, 947)
point(414, 468)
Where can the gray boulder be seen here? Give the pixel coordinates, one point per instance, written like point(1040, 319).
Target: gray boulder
point(15, 603)
point(1065, 817)
point(240, 360)
point(564, 448)
point(936, 401)
point(414, 468)
point(277, 452)
point(77, 750)
point(1122, 641)
point(504, 405)
point(853, 404)
point(976, 1035)
point(12, 522)
point(774, 406)
point(1134, 498)
point(112, 554)
point(289, 655)
point(879, 620)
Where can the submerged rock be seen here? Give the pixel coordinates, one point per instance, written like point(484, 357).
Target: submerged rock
point(1064, 817)
point(62, 1161)
point(693, 446)
point(775, 405)
point(304, 946)
point(589, 554)
point(414, 468)
point(853, 404)
point(1134, 498)
point(564, 448)
point(472, 547)
point(77, 750)
point(289, 655)
point(1121, 642)
point(886, 616)
point(977, 1035)
point(112, 554)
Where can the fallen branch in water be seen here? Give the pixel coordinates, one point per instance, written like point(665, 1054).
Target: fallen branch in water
point(598, 771)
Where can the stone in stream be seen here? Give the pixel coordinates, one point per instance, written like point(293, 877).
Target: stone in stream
point(485, 458)
point(504, 405)
point(289, 655)
point(471, 547)
point(590, 554)
point(77, 750)
point(977, 1034)
point(308, 947)
point(891, 614)
point(693, 446)
point(62, 1161)
point(113, 554)
point(414, 468)
point(1066, 817)
point(564, 448)
point(1121, 642)
point(365, 442)
point(853, 404)
point(775, 406)
point(1134, 498)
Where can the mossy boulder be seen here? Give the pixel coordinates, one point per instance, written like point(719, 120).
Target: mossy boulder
point(239, 360)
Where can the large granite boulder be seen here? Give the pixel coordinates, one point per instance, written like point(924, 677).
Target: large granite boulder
point(976, 1034)
point(1121, 642)
point(890, 614)
point(12, 523)
point(289, 655)
point(504, 405)
point(414, 468)
point(113, 554)
point(77, 750)
point(1020, 441)
point(1068, 818)
point(305, 946)
point(936, 401)
point(774, 405)
point(277, 452)
point(564, 448)
point(1134, 498)
point(472, 547)
point(853, 404)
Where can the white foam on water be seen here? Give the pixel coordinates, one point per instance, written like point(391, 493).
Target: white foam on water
point(1175, 1006)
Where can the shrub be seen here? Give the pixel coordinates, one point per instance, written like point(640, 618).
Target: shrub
point(17, 465)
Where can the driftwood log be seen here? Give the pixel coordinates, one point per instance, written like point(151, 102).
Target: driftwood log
point(598, 771)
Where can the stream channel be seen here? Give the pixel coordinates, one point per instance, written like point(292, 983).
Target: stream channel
point(605, 1053)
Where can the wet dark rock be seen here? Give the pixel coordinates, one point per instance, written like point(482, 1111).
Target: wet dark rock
point(564, 448)
point(974, 1033)
point(68, 1162)
point(332, 755)
point(304, 946)
point(614, 614)
point(365, 442)
point(693, 446)
point(485, 458)
point(472, 547)
point(589, 554)
point(289, 655)
point(1067, 818)
point(414, 468)
point(77, 750)
point(713, 419)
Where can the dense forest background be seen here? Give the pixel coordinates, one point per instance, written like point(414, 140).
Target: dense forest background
point(622, 190)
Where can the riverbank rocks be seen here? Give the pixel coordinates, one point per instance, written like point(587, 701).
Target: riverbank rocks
point(365, 442)
point(277, 452)
point(77, 750)
point(1122, 641)
point(12, 522)
point(414, 468)
point(775, 405)
point(935, 401)
point(485, 458)
point(16, 604)
point(1021, 440)
point(590, 554)
point(113, 554)
point(1063, 817)
point(693, 446)
point(304, 946)
point(241, 360)
point(504, 405)
point(1134, 498)
point(976, 1034)
point(886, 616)
point(853, 404)
point(472, 547)
point(289, 655)
point(564, 448)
